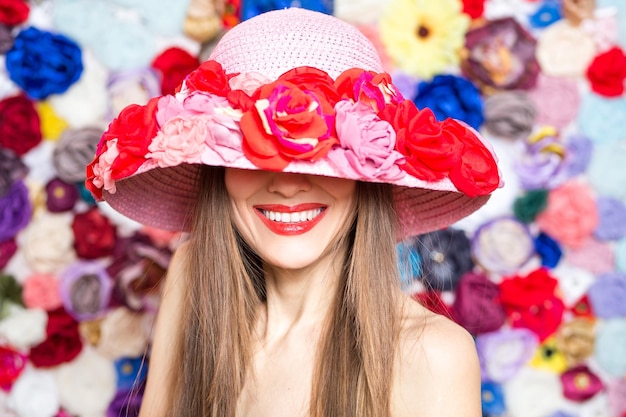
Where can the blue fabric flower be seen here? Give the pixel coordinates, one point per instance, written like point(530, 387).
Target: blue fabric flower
point(409, 262)
point(43, 63)
point(548, 13)
point(250, 9)
point(492, 398)
point(548, 250)
point(602, 119)
point(451, 96)
point(610, 348)
point(130, 372)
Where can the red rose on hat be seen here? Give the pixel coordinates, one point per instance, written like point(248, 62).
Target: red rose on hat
point(13, 12)
point(430, 151)
point(174, 64)
point(94, 235)
point(607, 72)
point(314, 81)
point(289, 122)
point(63, 341)
point(531, 302)
point(210, 78)
point(477, 172)
point(20, 129)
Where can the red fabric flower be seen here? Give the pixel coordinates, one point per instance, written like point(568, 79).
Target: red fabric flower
point(12, 363)
point(368, 87)
point(430, 151)
point(432, 300)
point(477, 172)
point(607, 72)
point(13, 12)
point(134, 129)
point(315, 81)
point(174, 64)
point(94, 235)
point(63, 341)
point(289, 122)
point(530, 302)
point(474, 8)
point(209, 77)
point(20, 129)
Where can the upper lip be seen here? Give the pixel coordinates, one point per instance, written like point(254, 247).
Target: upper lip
point(281, 208)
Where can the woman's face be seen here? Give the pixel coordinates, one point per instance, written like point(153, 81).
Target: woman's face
point(289, 220)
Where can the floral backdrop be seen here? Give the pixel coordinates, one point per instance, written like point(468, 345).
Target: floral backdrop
point(538, 275)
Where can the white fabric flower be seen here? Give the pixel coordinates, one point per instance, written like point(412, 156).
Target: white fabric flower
point(573, 282)
point(87, 384)
point(24, 328)
point(359, 12)
point(564, 50)
point(533, 393)
point(123, 333)
point(35, 394)
point(48, 243)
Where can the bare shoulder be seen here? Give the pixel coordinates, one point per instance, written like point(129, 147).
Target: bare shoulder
point(437, 371)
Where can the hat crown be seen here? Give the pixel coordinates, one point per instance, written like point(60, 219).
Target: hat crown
point(275, 42)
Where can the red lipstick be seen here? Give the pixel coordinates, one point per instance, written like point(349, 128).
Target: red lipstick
point(290, 228)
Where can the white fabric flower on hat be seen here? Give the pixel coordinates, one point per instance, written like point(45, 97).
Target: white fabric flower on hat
point(48, 244)
point(533, 393)
point(24, 328)
point(123, 333)
point(87, 384)
point(35, 394)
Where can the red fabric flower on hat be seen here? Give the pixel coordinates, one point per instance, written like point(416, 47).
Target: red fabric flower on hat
point(13, 12)
point(174, 64)
point(20, 129)
point(477, 172)
point(368, 87)
point(133, 131)
point(607, 72)
point(63, 341)
point(290, 121)
point(210, 78)
point(531, 302)
point(430, 151)
point(94, 235)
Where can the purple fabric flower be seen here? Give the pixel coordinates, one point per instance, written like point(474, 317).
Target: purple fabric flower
point(612, 213)
point(502, 245)
point(543, 164)
point(577, 155)
point(476, 305)
point(125, 403)
point(6, 40)
point(503, 353)
point(60, 196)
point(607, 295)
point(15, 211)
point(11, 169)
point(501, 56)
point(85, 289)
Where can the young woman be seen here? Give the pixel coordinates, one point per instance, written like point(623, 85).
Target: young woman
point(296, 166)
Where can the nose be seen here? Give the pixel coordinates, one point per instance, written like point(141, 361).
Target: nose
point(288, 184)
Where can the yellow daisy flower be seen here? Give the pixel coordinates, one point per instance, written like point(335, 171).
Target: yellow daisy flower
point(423, 37)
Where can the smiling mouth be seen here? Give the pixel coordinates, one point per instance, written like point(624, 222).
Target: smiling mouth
point(294, 217)
point(289, 221)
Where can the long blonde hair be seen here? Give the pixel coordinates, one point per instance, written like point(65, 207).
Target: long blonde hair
point(354, 365)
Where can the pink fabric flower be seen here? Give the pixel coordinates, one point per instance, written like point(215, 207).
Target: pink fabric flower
point(41, 291)
point(571, 215)
point(102, 169)
point(181, 139)
point(195, 104)
point(248, 82)
point(367, 144)
point(593, 255)
point(556, 100)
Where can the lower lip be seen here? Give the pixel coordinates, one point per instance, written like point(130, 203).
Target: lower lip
point(291, 229)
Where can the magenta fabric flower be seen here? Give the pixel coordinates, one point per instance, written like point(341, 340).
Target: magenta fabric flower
point(476, 304)
point(367, 144)
point(580, 384)
point(501, 56)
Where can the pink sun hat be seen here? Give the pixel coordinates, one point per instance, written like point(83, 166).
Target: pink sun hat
point(292, 91)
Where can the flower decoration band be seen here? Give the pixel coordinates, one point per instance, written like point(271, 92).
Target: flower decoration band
point(359, 124)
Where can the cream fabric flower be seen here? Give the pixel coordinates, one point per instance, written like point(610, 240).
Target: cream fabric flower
point(48, 244)
point(359, 12)
point(35, 384)
point(87, 384)
point(533, 393)
point(24, 328)
point(564, 50)
point(423, 37)
point(123, 333)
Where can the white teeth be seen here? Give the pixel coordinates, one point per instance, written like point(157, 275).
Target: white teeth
point(296, 217)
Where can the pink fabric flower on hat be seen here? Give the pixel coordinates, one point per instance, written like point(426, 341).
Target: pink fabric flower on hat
point(181, 139)
point(367, 144)
point(571, 215)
